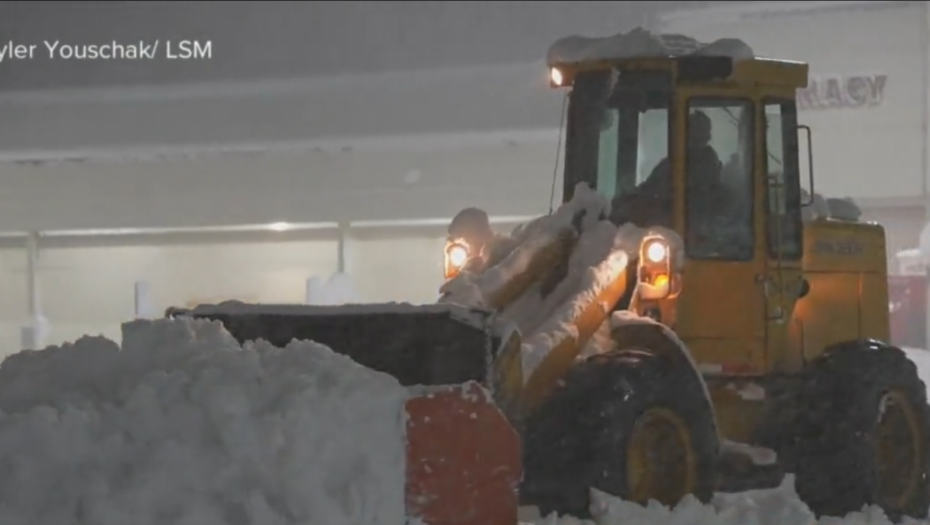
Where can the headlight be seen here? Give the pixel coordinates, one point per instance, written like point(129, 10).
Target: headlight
point(556, 77)
point(656, 251)
point(457, 255)
point(657, 278)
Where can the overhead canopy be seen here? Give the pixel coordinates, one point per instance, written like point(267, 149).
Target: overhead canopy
point(486, 98)
point(367, 183)
point(355, 148)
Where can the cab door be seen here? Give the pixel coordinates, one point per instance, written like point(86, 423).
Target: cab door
point(722, 306)
point(784, 282)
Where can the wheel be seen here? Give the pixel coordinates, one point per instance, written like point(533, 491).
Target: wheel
point(629, 423)
point(861, 433)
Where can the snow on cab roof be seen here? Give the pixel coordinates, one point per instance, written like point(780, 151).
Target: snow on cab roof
point(734, 12)
point(641, 43)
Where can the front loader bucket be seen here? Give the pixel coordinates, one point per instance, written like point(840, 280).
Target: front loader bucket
point(440, 344)
point(463, 456)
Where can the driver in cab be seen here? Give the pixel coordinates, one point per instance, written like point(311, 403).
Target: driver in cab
point(650, 203)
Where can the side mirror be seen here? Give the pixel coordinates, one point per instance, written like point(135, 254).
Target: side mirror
point(804, 288)
point(810, 165)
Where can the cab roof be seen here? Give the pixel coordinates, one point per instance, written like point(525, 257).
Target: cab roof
point(578, 53)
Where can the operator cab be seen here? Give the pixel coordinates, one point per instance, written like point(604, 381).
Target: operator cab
point(666, 128)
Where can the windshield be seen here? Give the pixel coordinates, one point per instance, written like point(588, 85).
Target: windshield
point(618, 143)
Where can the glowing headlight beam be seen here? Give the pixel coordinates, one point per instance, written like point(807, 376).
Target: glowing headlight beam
point(656, 251)
point(458, 255)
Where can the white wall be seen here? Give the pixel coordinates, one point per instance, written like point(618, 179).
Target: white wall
point(13, 297)
point(401, 269)
point(86, 286)
point(89, 290)
point(422, 102)
point(86, 289)
point(870, 152)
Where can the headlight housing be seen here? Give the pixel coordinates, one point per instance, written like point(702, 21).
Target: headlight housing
point(655, 268)
point(457, 255)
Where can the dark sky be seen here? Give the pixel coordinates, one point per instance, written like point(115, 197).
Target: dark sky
point(252, 40)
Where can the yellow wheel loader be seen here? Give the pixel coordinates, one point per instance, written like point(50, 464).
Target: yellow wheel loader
point(688, 321)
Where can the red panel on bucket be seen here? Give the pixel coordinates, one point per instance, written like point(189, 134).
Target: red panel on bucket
point(463, 459)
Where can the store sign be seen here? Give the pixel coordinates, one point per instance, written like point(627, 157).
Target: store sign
point(842, 92)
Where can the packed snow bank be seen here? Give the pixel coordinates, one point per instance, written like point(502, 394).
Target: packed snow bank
point(779, 506)
point(184, 426)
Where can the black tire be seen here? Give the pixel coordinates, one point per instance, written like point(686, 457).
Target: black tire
point(579, 438)
point(838, 423)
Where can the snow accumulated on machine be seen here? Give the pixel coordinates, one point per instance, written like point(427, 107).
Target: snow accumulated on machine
point(676, 327)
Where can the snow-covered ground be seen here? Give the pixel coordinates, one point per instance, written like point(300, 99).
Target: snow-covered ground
point(779, 506)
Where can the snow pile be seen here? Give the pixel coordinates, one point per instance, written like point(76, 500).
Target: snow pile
point(779, 506)
point(843, 209)
point(184, 426)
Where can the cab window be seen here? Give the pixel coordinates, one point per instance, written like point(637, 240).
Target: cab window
point(632, 144)
point(783, 177)
point(719, 179)
point(618, 143)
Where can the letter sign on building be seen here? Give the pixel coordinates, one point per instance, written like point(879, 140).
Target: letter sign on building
point(842, 92)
